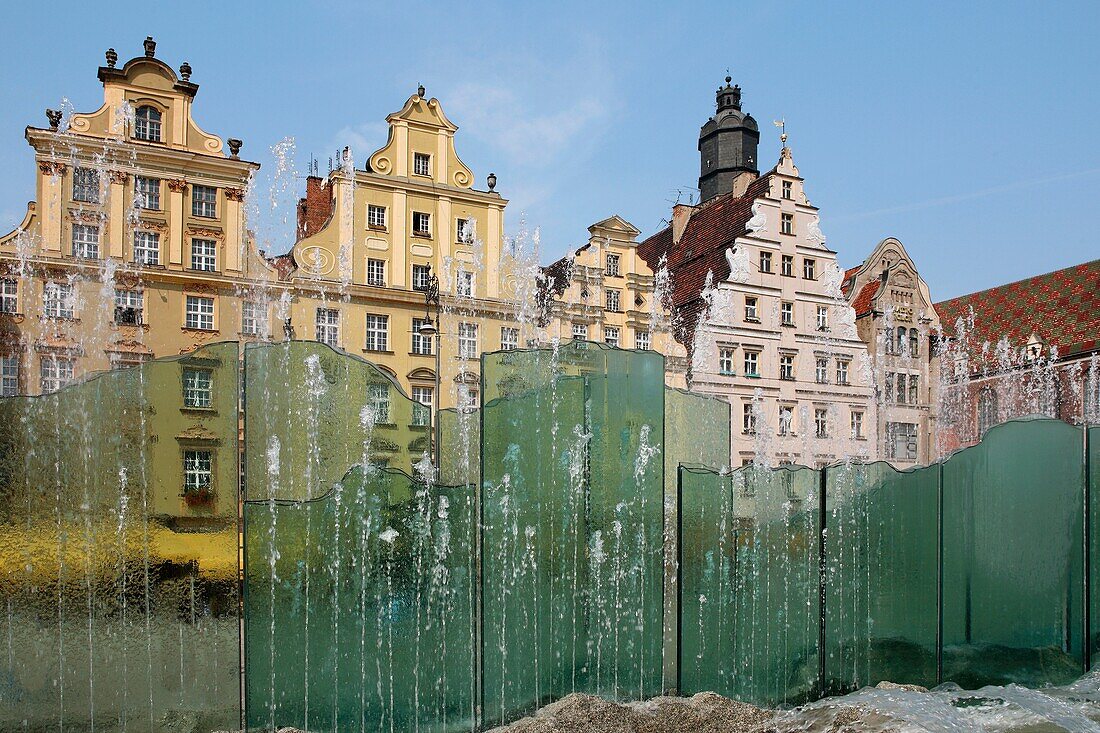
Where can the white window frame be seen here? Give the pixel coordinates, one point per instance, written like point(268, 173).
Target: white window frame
point(421, 277)
point(786, 265)
point(752, 311)
point(422, 164)
point(842, 367)
point(57, 300)
point(199, 313)
point(148, 124)
point(86, 185)
point(821, 370)
point(204, 202)
point(147, 248)
point(786, 223)
point(198, 388)
point(809, 268)
point(421, 344)
point(788, 189)
point(55, 372)
point(464, 230)
point(327, 326)
point(786, 313)
point(467, 340)
point(821, 422)
point(612, 300)
point(85, 239)
point(786, 427)
point(198, 470)
point(464, 284)
point(426, 219)
point(147, 193)
point(748, 418)
point(129, 301)
point(580, 331)
point(611, 335)
point(786, 367)
point(752, 363)
point(468, 398)
point(380, 401)
point(726, 358)
point(376, 217)
point(423, 397)
point(857, 424)
point(9, 375)
point(642, 340)
point(9, 296)
point(765, 261)
point(376, 272)
point(204, 255)
point(823, 318)
point(254, 319)
point(611, 268)
point(377, 332)
point(509, 338)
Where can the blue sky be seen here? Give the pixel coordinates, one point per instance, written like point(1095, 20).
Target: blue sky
point(967, 130)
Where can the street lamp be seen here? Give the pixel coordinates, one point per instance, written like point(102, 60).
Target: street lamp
point(430, 329)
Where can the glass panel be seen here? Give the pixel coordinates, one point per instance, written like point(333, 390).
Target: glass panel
point(1093, 459)
point(460, 446)
point(572, 525)
point(359, 607)
point(1012, 557)
point(881, 586)
point(750, 594)
point(119, 578)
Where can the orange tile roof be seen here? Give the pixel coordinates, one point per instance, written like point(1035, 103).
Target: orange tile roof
point(862, 303)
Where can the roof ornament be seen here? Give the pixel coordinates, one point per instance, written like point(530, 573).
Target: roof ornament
point(185, 71)
point(492, 181)
point(235, 147)
point(112, 58)
point(781, 123)
point(150, 47)
point(420, 91)
point(54, 116)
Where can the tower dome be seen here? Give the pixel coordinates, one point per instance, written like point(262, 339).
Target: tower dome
point(727, 144)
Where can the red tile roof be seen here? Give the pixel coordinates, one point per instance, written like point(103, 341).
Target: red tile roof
point(862, 303)
point(1061, 307)
point(712, 228)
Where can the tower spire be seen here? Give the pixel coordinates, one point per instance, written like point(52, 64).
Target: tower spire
point(727, 143)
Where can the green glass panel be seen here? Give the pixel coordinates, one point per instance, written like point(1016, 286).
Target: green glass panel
point(312, 412)
point(1093, 458)
point(882, 575)
point(751, 610)
point(572, 547)
point(1012, 557)
point(119, 562)
point(460, 451)
point(358, 607)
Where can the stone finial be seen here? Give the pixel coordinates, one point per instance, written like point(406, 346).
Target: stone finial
point(150, 46)
point(54, 116)
point(112, 58)
point(234, 146)
point(185, 71)
point(492, 181)
point(420, 91)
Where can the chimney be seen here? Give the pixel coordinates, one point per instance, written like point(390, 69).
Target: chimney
point(681, 214)
point(315, 209)
point(741, 183)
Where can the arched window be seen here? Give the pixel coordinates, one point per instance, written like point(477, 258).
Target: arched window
point(914, 342)
point(147, 124)
point(900, 344)
point(987, 409)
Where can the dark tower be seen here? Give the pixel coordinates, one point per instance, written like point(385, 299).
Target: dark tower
point(727, 144)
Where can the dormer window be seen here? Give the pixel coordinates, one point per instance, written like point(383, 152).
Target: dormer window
point(786, 189)
point(147, 124)
point(422, 164)
point(612, 269)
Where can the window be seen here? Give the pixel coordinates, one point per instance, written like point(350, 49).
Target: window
point(467, 340)
point(378, 329)
point(200, 313)
point(809, 267)
point(204, 201)
point(823, 318)
point(914, 343)
point(899, 345)
point(821, 422)
point(580, 331)
point(128, 307)
point(888, 340)
point(787, 223)
point(147, 248)
point(901, 441)
point(842, 371)
point(422, 224)
point(204, 255)
point(197, 470)
point(786, 420)
point(611, 335)
point(987, 409)
point(464, 284)
point(788, 265)
point(86, 241)
point(467, 398)
point(422, 277)
point(857, 424)
point(55, 372)
point(509, 338)
point(752, 359)
point(197, 388)
point(378, 401)
point(725, 361)
point(914, 389)
point(9, 296)
point(376, 272)
point(786, 314)
point(422, 164)
point(786, 189)
point(328, 326)
point(612, 269)
point(889, 390)
point(254, 319)
point(464, 231)
point(9, 376)
point(376, 216)
point(147, 193)
point(786, 366)
point(612, 297)
point(900, 381)
point(86, 185)
point(147, 124)
point(57, 300)
point(421, 342)
point(765, 262)
point(641, 340)
point(751, 313)
point(821, 372)
point(423, 397)
point(748, 419)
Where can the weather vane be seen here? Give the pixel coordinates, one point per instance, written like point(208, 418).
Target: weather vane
point(782, 125)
